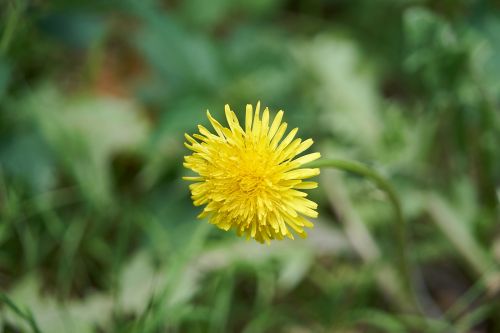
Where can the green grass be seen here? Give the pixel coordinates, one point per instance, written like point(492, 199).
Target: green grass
point(97, 230)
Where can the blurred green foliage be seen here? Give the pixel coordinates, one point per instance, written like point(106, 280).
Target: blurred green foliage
point(97, 231)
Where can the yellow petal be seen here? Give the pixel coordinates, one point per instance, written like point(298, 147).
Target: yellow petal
point(306, 185)
point(307, 158)
point(301, 173)
point(275, 125)
point(248, 119)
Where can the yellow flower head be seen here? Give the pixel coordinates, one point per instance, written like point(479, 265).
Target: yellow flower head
point(250, 179)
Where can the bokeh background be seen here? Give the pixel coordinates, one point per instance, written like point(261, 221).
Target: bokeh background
point(97, 230)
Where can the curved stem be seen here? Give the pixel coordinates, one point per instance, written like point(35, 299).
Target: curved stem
point(403, 264)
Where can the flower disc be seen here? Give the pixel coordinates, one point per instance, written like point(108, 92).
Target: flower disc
point(250, 179)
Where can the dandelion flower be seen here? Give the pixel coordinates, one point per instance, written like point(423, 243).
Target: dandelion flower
point(249, 179)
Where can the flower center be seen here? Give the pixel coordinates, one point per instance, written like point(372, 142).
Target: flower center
point(250, 182)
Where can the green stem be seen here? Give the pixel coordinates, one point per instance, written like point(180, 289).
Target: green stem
point(403, 263)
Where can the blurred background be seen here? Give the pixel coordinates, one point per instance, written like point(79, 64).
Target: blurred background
point(98, 232)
